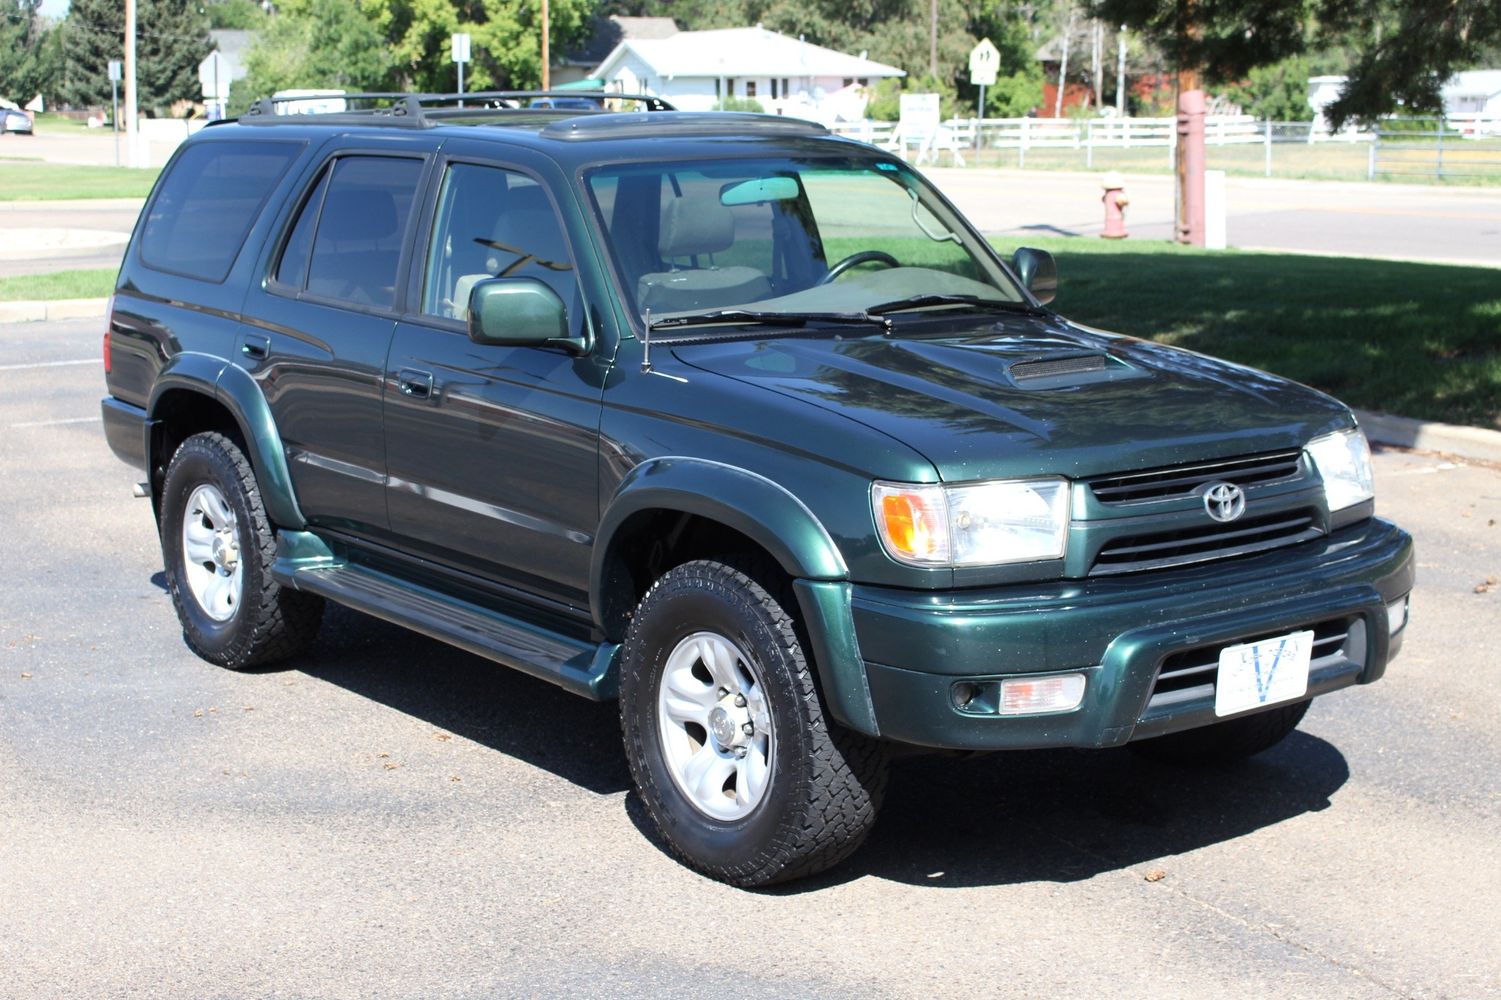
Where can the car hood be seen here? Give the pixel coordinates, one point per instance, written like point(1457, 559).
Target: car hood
point(1031, 396)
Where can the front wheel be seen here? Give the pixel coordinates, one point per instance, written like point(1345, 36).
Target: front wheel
point(726, 736)
point(1230, 740)
point(218, 546)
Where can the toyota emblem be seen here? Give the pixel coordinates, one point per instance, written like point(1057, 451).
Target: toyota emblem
point(1224, 501)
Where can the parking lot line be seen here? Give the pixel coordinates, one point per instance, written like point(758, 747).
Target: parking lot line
point(49, 364)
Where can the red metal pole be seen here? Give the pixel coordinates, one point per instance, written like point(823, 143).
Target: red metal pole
point(1190, 162)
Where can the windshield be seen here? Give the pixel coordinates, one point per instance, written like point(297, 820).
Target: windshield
point(795, 236)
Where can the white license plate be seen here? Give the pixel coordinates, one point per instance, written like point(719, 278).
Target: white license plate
point(1263, 673)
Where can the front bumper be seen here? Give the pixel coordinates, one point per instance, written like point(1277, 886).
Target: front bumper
point(1118, 632)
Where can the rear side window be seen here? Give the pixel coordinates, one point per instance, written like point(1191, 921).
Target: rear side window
point(207, 203)
point(346, 243)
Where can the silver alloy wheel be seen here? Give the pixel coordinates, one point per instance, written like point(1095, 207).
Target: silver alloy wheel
point(211, 552)
point(715, 726)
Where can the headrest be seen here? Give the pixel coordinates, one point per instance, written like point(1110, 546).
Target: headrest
point(690, 227)
point(358, 213)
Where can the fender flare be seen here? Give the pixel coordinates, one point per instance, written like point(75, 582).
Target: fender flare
point(774, 518)
point(233, 388)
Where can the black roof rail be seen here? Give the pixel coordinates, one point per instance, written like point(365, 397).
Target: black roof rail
point(419, 110)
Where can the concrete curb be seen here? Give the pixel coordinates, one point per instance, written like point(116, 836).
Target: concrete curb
point(1479, 443)
point(37, 312)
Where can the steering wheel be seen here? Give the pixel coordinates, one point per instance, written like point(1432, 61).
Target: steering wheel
point(855, 260)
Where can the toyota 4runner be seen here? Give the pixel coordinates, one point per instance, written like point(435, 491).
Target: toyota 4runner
point(739, 423)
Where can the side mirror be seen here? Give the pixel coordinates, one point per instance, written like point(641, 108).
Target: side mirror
point(1038, 272)
point(520, 312)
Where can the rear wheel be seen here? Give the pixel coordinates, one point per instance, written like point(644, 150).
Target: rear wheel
point(218, 546)
point(1233, 739)
point(740, 769)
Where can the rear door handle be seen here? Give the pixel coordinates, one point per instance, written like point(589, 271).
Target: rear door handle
point(256, 347)
point(414, 383)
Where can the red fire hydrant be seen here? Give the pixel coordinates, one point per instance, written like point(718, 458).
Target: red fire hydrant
point(1115, 206)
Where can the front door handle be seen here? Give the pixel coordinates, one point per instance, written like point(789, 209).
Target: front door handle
point(414, 383)
point(255, 347)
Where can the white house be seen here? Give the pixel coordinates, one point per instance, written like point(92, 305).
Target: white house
point(1475, 92)
point(696, 69)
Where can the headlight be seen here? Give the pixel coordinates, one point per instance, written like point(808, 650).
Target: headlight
point(974, 524)
point(1344, 461)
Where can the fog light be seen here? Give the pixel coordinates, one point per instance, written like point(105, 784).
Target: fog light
point(1396, 616)
point(1031, 695)
point(963, 693)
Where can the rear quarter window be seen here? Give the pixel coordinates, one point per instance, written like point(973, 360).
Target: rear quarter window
point(206, 204)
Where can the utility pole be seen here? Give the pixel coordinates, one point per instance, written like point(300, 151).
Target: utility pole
point(1068, 34)
point(132, 126)
point(933, 38)
point(1096, 53)
point(1120, 76)
point(1190, 138)
point(546, 68)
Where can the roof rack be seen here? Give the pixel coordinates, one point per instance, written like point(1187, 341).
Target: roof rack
point(415, 110)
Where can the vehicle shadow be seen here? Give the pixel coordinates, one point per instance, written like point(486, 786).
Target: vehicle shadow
point(503, 709)
point(1068, 815)
point(997, 819)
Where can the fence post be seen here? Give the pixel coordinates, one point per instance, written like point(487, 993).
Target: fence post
point(1370, 164)
point(1126, 132)
point(1440, 171)
point(1269, 147)
point(1021, 147)
point(1089, 145)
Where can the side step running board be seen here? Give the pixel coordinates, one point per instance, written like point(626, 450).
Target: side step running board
point(577, 665)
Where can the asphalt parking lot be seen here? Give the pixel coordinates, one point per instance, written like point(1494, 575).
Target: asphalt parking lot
point(391, 817)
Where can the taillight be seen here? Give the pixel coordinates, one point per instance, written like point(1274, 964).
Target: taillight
point(109, 321)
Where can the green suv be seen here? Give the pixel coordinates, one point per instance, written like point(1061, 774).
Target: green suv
point(739, 423)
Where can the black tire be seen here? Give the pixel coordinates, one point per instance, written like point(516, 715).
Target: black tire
point(1231, 740)
point(270, 622)
point(825, 783)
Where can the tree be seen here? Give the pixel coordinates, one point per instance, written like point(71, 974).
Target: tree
point(1402, 50)
point(505, 39)
point(1278, 92)
point(314, 44)
point(171, 40)
point(30, 52)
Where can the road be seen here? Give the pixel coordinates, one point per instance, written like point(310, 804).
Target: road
point(388, 817)
point(1409, 222)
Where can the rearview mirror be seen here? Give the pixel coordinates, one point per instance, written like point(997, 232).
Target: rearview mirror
point(761, 189)
point(520, 312)
point(1038, 272)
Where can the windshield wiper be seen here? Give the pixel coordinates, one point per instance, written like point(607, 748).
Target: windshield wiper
point(753, 317)
point(925, 301)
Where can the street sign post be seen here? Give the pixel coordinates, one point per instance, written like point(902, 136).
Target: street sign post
point(461, 54)
point(116, 73)
point(214, 76)
point(984, 60)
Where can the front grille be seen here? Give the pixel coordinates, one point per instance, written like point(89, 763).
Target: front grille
point(1182, 480)
point(1190, 675)
point(1202, 543)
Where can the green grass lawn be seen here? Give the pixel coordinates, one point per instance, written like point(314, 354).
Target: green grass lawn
point(35, 181)
point(1419, 340)
point(58, 285)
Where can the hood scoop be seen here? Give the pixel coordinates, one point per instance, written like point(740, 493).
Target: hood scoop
point(1065, 371)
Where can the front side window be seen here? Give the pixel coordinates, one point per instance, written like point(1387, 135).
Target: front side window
point(206, 204)
point(787, 235)
point(346, 242)
point(494, 223)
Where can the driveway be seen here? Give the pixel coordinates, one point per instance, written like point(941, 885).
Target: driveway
point(389, 817)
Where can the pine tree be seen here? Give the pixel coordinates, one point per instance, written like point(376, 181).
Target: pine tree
point(171, 40)
point(93, 34)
